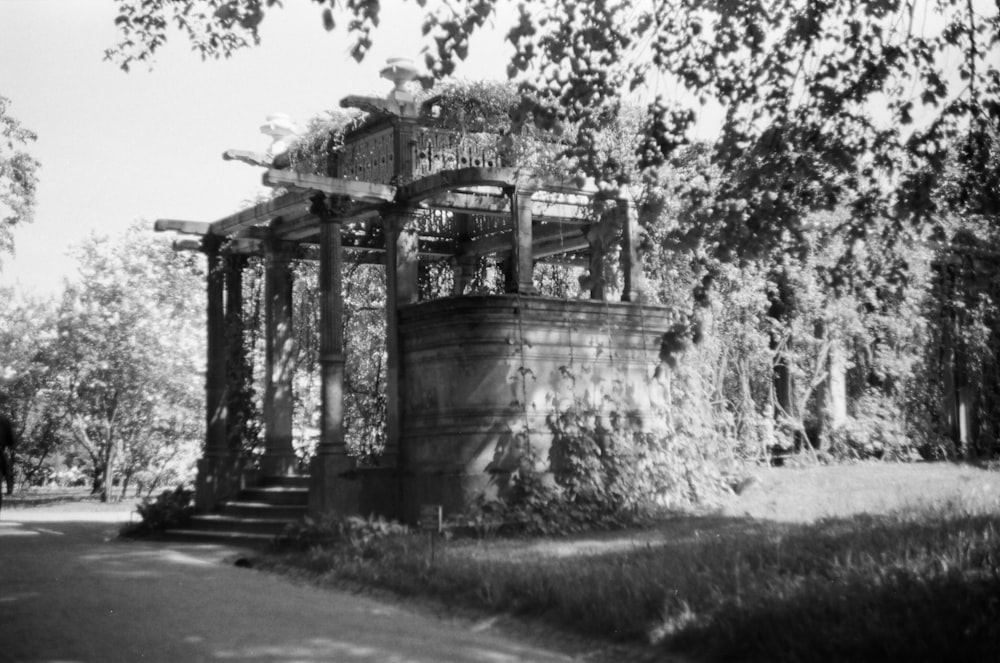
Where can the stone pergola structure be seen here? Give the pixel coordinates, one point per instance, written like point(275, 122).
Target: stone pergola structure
point(468, 375)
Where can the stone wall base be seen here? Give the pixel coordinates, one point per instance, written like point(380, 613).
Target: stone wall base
point(333, 485)
point(220, 477)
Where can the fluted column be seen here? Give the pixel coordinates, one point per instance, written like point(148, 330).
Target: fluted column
point(402, 288)
point(236, 365)
point(215, 370)
point(465, 259)
point(520, 275)
point(219, 469)
point(331, 489)
point(631, 259)
point(279, 455)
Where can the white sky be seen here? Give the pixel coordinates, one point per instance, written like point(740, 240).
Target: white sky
point(118, 147)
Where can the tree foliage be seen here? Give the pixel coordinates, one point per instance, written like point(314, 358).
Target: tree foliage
point(18, 178)
point(27, 341)
point(128, 359)
point(835, 103)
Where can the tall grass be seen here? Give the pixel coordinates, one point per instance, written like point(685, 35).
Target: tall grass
point(921, 584)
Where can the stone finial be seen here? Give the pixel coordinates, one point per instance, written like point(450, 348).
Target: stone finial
point(400, 102)
point(400, 71)
point(280, 128)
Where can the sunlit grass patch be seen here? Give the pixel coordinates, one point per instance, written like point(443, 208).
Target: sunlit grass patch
point(919, 583)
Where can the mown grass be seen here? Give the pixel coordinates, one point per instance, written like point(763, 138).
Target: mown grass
point(917, 584)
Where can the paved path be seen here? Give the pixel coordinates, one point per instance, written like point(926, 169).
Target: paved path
point(70, 590)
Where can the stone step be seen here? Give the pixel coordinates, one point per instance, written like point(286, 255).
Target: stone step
point(221, 523)
point(255, 516)
point(247, 509)
point(296, 481)
point(243, 539)
point(276, 495)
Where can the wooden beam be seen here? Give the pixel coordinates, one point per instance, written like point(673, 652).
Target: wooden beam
point(184, 227)
point(460, 202)
point(299, 229)
point(291, 205)
point(248, 157)
point(551, 246)
point(559, 186)
point(242, 245)
point(308, 226)
point(543, 210)
point(447, 180)
point(566, 260)
point(546, 238)
point(187, 245)
point(334, 186)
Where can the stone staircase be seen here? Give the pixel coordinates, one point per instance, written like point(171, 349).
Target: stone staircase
point(254, 517)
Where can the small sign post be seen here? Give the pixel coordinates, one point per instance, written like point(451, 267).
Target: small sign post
point(432, 521)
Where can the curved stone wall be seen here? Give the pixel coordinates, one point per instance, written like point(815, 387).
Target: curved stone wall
point(478, 372)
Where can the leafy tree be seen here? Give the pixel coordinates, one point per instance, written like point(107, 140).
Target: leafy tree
point(837, 103)
point(128, 359)
point(18, 177)
point(27, 338)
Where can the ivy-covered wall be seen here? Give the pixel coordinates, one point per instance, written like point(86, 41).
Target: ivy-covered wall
point(484, 377)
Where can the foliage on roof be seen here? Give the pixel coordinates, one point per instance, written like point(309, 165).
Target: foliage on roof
point(323, 136)
point(477, 107)
point(471, 106)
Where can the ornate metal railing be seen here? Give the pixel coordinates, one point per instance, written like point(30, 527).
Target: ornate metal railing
point(369, 158)
point(423, 151)
point(434, 150)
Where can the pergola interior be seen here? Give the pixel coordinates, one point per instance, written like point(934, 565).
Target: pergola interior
point(451, 221)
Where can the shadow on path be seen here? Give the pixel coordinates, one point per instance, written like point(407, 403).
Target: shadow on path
point(70, 590)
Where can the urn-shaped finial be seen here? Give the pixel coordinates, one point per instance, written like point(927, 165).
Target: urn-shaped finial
point(282, 132)
point(400, 71)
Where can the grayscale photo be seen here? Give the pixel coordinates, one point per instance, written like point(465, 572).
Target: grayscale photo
point(497, 331)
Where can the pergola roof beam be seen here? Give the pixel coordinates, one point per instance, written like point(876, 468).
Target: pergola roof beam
point(183, 227)
point(499, 205)
point(470, 203)
point(546, 239)
point(291, 205)
point(551, 246)
point(187, 245)
point(333, 186)
point(447, 180)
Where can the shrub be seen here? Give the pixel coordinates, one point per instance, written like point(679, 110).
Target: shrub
point(877, 430)
point(173, 508)
point(607, 469)
point(359, 536)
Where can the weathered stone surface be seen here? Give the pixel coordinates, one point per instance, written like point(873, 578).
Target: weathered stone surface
point(220, 476)
point(477, 372)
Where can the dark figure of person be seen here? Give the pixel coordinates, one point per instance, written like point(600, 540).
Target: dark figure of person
point(6, 455)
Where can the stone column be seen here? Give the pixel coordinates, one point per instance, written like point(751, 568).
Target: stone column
point(279, 456)
point(520, 274)
point(215, 371)
point(330, 488)
point(631, 259)
point(215, 480)
point(598, 235)
point(236, 367)
point(402, 288)
point(465, 259)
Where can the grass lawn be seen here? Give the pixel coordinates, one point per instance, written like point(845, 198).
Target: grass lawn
point(864, 562)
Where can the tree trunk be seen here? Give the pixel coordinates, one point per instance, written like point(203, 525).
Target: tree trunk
point(108, 473)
